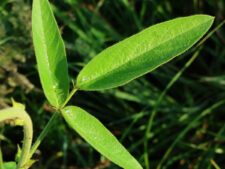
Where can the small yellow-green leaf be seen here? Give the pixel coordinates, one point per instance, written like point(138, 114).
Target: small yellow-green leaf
point(18, 154)
point(50, 53)
point(143, 52)
point(94, 132)
point(29, 164)
point(17, 121)
point(17, 104)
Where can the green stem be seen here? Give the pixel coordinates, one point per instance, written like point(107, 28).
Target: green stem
point(215, 165)
point(69, 97)
point(50, 124)
point(12, 113)
point(1, 160)
point(154, 111)
point(43, 133)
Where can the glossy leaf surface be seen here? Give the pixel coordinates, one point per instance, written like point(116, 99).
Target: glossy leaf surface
point(50, 53)
point(143, 52)
point(94, 132)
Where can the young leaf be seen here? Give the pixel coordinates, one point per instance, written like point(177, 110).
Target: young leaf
point(50, 53)
point(93, 131)
point(17, 104)
point(143, 52)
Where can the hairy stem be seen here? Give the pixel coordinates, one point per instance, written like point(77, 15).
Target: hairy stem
point(12, 113)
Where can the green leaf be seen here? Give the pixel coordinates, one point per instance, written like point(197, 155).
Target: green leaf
point(17, 104)
point(10, 165)
point(18, 154)
point(50, 53)
point(143, 52)
point(29, 164)
point(94, 132)
point(17, 121)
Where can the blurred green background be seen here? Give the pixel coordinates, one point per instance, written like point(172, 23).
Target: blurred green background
point(188, 129)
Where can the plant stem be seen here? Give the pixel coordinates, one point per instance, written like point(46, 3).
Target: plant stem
point(43, 133)
point(1, 160)
point(69, 97)
point(50, 123)
point(154, 111)
point(12, 113)
point(215, 165)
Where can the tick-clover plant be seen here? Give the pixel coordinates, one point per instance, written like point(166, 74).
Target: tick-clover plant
point(113, 67)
